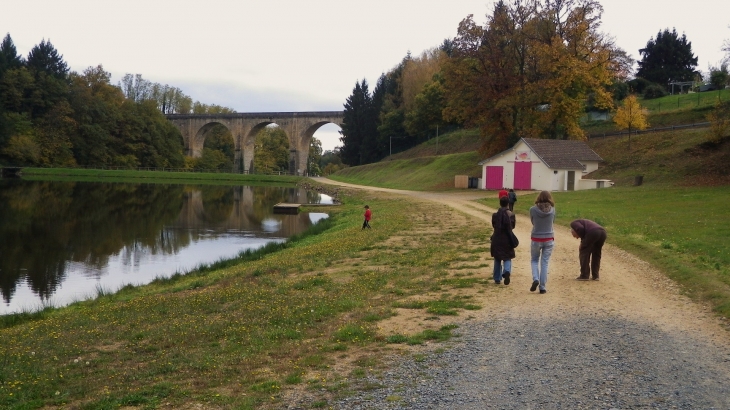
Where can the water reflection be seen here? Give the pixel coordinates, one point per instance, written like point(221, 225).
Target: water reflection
point(60, 241)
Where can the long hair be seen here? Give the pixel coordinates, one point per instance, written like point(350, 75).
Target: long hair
point(545, 196)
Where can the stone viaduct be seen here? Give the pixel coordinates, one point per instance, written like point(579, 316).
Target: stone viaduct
point(299, 128)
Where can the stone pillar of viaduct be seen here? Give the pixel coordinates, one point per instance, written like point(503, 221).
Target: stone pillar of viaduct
point(299, 128)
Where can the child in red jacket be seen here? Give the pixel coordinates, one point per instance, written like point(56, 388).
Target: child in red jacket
point(368, 215)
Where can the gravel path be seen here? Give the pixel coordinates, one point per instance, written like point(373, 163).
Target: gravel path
point(591, 362)
point(629, 341)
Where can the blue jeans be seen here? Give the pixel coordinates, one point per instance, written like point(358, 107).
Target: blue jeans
point(540, 256)
point(498, 268)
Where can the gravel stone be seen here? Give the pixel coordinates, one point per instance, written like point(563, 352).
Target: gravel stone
point(579, 362)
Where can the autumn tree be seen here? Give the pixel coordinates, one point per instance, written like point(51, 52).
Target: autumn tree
point(200, 108)
point(630, 115)
point(271, 151)
point(719, 119)
point(418, 72)
point(529, 71)
point(667, 58)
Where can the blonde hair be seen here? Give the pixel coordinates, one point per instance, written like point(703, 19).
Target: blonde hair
point(545, 196)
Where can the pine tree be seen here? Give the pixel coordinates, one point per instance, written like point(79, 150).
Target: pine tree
point(9, 58)
point(44, 58)
point(667, 58)
point(358, 125)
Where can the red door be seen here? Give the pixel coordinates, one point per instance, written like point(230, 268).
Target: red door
point(494, 178)
point(523, 175)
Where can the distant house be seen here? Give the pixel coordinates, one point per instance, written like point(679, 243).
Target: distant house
point(543, 165)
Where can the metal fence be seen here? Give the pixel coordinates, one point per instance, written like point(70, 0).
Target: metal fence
point(648, 130)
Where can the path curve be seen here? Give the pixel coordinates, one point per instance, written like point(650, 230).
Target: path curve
point(630, 340)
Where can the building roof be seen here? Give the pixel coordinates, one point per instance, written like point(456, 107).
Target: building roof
point(557, 154)
point(564, 154)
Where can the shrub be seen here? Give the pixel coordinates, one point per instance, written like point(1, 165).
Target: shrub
point(654, 91)
point(638, 85)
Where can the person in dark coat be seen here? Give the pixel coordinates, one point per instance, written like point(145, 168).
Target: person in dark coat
point(512, 199)
point(503, 222)
point(592, 237)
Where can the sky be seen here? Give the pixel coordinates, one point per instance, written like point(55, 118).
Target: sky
point(299, 55)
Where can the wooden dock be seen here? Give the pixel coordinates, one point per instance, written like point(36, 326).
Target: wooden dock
point(284, 208)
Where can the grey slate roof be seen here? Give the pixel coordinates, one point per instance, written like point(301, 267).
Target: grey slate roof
point(562, 154)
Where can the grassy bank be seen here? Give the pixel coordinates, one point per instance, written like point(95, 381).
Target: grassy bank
point(416, 174)
point(670, 158)
point(256, 333)
point(100, 175)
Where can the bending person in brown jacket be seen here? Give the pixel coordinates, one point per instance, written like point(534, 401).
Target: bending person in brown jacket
point(592, 237)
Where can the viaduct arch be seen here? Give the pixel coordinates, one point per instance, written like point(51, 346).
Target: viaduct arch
point(299, 128)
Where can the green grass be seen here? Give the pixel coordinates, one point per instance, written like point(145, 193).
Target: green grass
point(98, 175)
point(236, 334)
point(441, 335)
point(670, 110)
point(679, 230)
point(679, 102)
point(417, 174)
point(670, 158)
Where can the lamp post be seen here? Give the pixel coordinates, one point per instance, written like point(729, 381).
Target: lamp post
point(391, 144)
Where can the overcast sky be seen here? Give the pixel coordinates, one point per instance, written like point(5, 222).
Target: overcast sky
point(298, 55)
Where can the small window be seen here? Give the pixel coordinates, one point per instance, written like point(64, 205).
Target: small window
point(555, 172)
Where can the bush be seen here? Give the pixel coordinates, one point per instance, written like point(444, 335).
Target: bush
point(654, 91)
point(719, 121)
point(638, 85)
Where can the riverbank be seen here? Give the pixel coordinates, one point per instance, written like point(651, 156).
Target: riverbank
point(162, 177)
point(237, 336)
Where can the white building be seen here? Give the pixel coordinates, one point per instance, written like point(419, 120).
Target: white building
point(543, 165)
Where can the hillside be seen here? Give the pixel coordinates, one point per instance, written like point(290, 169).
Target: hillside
point(670, 110)
point(679, 157)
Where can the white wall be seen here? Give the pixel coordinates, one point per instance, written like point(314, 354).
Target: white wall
point(504, 160)
point(542, 178)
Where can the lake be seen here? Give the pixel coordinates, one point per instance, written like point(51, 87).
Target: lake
point(61, 242)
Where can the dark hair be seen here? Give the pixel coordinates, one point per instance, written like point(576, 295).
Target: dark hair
point(545, 196)
point(511, 190)
point(503, 201)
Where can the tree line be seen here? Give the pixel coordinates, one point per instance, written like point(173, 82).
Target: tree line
point(532, 70)
point(51, 116)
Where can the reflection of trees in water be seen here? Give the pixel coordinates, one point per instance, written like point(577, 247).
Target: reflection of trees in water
point(46, 224)
point(218, 202)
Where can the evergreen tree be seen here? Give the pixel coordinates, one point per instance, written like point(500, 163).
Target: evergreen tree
point(44, 58)
point(9, 58)
point(667, 58)
point(358, 125)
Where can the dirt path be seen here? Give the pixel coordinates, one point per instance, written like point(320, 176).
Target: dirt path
point(629, 288)
point(631, 340)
